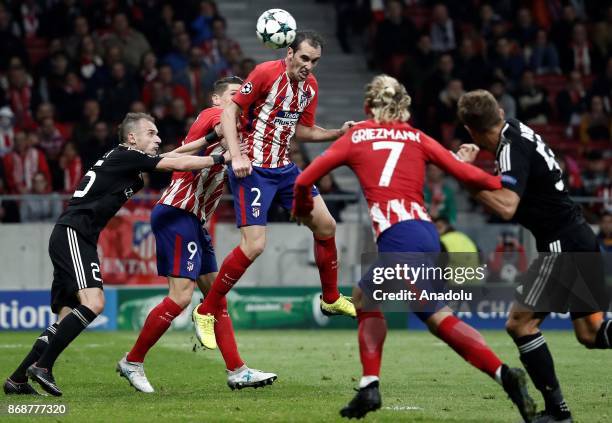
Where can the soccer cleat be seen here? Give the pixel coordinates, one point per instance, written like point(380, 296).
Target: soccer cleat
point(549, 417)
point(366, 400)
point(44, 377)
point(342, 306)
point(134, 373)
point(514, 382)
point(249, 378)
point(204, 329)
point(14, 388)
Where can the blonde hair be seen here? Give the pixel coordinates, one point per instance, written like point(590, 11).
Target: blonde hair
point(387, 99)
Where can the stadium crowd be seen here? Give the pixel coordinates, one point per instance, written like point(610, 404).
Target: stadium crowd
point(70, 70)
point(548, 63)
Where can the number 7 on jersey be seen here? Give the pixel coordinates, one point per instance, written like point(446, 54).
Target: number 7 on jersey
point(396, 150)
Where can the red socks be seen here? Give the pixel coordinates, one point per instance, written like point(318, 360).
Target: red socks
point(224, 333)
point(469, 344)
point(233, 267)
point(157, 323)
point(327, 262)
point(372, 333)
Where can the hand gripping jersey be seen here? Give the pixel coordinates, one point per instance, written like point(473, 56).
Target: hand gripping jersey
point(198, 192)
point(273, 105)
point(106, 187)
point(389, 161)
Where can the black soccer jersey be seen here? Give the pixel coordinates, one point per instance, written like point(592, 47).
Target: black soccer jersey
point(106, 187)
point(529, 168)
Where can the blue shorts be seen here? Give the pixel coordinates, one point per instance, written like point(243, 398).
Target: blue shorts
point(410, 236)
point(184, 248)
point(256, 193)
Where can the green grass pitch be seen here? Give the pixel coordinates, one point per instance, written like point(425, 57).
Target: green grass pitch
point(422, 380)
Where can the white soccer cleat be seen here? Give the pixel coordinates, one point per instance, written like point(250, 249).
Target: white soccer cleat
point(134, 373)
point(249, 378)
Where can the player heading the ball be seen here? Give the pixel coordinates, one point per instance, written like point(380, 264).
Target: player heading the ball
point(280, 97)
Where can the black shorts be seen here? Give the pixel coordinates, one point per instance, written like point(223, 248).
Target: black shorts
point(76, 266)
point(568, 278)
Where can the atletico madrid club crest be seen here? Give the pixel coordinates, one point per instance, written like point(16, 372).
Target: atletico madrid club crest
point(256, 212)
point(189, 266)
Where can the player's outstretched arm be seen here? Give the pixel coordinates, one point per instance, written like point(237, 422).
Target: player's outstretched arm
point(187, 163)
point(229, 120)
point(195, 146)
point(317, 134)
point(503, 202)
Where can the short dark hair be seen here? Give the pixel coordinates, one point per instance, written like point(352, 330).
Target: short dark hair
point(313, 38)
point(128, 124)
point(221, 85)
point(478, 110)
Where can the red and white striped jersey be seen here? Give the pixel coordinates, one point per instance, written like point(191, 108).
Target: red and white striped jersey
point(198, 192)
point(389, 160)
point(273, 105)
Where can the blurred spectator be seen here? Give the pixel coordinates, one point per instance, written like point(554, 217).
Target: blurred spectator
point(443, 33)
point(28, 14)
point(161, 92)
point(571, 102)
point(46, 208)
point(201, 26)
point(579, 55)
point(72, 44)
point(197, 78)
point(9, 212)
point(604, 236)
point(90, 63)
point(602, 86)
point(98, 144)
point(83, 129)
point(221, 44)
point(54, 73)
point(439, 79)
point(505, 100)
point(148, 69)
point(138, 107)
point(11, 45)
point(7, 134)
point(397, 28)
point(509, 259)
point(20, 93)
point(172, 127)
point(561, 32)
point(507, 63)
point(571, 174)
point(59, 17)
point(439, 197)
point(544, 57)
point(119, 94)
point(525, 29)
point(21, 165)
point(327, 185)
point(595, 174)
point(446, 109)
point(533, 106)
point(178, 58)
point(71, 164)
point(69, 98)
point(596, 123)
point(418, 66)
point(472, 68)
point(487, 20)
point(462, 251)
point(50, 139)
point(132, 42)
point(159, 30)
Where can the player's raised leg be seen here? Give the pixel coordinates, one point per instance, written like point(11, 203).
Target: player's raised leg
point(323, 227)
point(371, 335)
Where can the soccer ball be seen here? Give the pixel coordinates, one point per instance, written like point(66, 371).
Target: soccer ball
point(276, 28)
